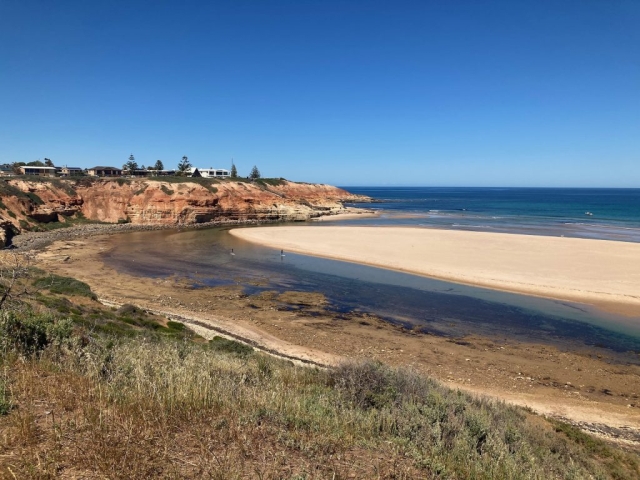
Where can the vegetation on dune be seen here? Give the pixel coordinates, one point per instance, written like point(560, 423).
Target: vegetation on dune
point(66, 185)
point(273, 182)
point(86, 389)
point(8, 190)
point(208, 183)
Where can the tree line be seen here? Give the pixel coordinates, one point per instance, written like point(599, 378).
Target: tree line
point(184, 165)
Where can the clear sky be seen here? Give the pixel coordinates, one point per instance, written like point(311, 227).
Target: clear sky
point(464, 93)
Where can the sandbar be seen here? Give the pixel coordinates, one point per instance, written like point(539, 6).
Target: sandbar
point(600, 272)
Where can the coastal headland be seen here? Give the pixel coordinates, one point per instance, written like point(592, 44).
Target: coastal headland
point(599, 272)
point(34, 204)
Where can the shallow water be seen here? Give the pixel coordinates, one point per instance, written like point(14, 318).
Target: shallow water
point(435, 306)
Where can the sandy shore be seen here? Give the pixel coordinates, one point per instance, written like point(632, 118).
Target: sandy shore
point(604, 273)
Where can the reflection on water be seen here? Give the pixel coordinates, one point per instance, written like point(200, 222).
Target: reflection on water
point(434, 306)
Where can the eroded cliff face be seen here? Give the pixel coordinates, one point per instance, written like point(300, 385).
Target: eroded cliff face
point(29, 205)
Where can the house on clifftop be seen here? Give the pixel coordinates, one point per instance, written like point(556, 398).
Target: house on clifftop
point(70, 171)
point(208, 172)
point(38, 171)
point(104, 172)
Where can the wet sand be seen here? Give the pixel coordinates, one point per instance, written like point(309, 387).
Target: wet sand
point(590, 386)
point(597, 272)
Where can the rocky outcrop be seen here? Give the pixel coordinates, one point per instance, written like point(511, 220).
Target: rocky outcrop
point(29, 205)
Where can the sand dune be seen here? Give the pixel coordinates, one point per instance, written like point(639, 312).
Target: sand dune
point(591, 271)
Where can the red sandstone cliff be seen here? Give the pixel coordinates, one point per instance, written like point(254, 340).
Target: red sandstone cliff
point(28, 204)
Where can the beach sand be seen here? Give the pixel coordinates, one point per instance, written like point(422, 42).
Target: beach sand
point(598, 272)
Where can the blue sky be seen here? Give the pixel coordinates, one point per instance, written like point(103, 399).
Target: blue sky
point(513, 93)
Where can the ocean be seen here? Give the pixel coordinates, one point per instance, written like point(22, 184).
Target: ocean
point(434, 306)
point(600, 213)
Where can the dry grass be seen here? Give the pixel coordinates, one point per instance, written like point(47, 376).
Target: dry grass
point(167, 409)
point(85, 403)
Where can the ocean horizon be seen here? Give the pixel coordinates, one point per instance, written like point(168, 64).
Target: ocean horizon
point(597, 213)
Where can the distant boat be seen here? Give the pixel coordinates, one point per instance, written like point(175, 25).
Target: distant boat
point(588, 213)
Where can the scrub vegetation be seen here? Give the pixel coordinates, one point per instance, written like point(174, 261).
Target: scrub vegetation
point(88, 391)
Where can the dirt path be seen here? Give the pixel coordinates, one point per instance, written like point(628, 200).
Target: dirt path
point(591, 387)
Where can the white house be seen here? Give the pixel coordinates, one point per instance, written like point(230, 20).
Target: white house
point(211, 172)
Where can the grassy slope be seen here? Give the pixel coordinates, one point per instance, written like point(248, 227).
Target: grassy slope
point(94, 392)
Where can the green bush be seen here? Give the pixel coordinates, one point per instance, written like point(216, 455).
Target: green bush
point(177, 326)
point(35, 198)
point(221, 344)
point(375, 385)
point(207, 183)
point(274, 182)
point(60, 304)
point(5, 399)
point(29, 334)
point(65, 286)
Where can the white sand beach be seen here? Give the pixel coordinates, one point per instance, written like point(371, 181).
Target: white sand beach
point(584, 270)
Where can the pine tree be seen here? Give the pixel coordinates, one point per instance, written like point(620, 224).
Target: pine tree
point(255, 173)
point(184, 165)
point(131, 165)
point(234, 170)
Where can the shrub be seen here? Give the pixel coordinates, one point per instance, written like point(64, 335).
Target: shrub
point(128, 309)
point(29, 334)
point(5, 399)
point(375, 385)
point(221, 344)
point(177, 326)
point(166, 190)
point(274, 182)
point(65, 286)
point(85, 181)
point(35, 198)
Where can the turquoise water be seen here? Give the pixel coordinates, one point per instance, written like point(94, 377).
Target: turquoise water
point(611, 214)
